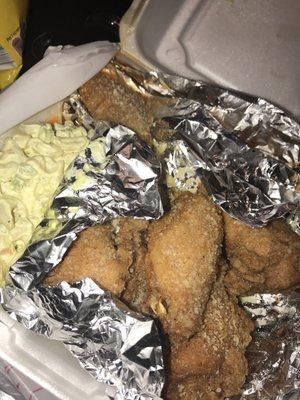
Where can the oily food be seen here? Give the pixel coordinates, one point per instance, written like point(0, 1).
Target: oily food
point(185, 269)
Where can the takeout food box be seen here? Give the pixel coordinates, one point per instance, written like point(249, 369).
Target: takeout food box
point(160, 36)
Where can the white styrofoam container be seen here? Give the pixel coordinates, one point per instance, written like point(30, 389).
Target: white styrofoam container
point(250, 46)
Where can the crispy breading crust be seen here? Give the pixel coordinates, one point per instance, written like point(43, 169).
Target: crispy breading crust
point(183, 252)
point(262, 260)
point(93, 255)
point(131, 243)
point(171, 269)
point(107, 98)
point(216, 352)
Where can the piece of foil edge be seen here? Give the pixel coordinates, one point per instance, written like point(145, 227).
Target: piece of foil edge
point(274, 353)
point(115, 345)
point(246, 150)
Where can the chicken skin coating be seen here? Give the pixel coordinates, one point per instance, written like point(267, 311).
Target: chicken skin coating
point(171, 269)
point(262, 260)
point(183, 251)
point(212, 364)
point(93, 255)
point(132, 248)
point(108, 257)
point(107, 98)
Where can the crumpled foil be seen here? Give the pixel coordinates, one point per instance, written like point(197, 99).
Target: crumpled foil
point(116, 176)
point(123, 182)
point(247, 153)
point(247, 150)
point(115, 345)
point(274, 353)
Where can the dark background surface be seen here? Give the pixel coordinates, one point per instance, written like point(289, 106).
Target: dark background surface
point(55, 22)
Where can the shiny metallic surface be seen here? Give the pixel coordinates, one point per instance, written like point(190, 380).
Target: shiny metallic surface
point(124, 184)
point(116, 176)
point(246, 152)
point(251, 186)
point(248, 149)
point(115, 345)
point(274, 353)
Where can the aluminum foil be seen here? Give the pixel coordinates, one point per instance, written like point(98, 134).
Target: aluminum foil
point(274, 353)
point(116, 176)
point(247, 149)
point(247, 153)
point(114, 344)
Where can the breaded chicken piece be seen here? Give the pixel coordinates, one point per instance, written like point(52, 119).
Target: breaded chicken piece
point(93, 255)
point(132, 248)
point(183, 252)
point(111, 254)
point(108, 98)
point(263, 259)
point(171, 269)
point(212, 364)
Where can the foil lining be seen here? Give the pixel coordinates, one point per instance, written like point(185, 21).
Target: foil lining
point(114, 344)
point(247, 153)
point(274, 353)
point(251, 186)
point(247, 149)
point(116, 176)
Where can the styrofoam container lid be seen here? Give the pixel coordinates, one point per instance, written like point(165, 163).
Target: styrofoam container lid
point(252, 46)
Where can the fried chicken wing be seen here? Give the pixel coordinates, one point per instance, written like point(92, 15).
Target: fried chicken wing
point(108, 98)
point(171, 269)
point(183, 251)
point(93, 255)
point(216, 352)
point(262, 259)
point(110, 259)
point(132, 248)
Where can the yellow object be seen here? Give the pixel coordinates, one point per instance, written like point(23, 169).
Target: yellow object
point(12, 26)
point(32, 165)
